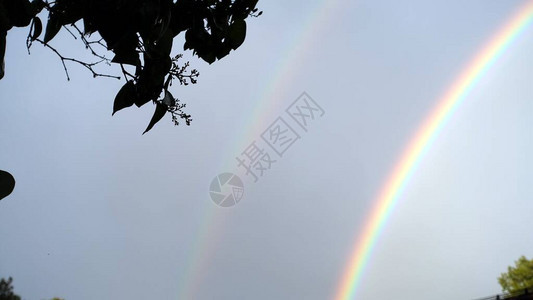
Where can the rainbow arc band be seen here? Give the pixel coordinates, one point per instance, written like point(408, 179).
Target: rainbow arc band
point(397, 180)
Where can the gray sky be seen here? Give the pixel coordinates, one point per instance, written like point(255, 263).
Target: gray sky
point(101, 212)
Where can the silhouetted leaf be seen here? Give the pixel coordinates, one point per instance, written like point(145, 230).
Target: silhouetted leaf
point(223, 50)
point(143, 99)
point(127, 57)
point(144, 90)
point(7, 184)
point(52, 27)
point(88, 26)
point(70, 11)
point(164, 43)
point(237, 33)
point(20, 12)
point(125, 97)
point(2, 53)
point(160, 111)
point(37, 28)
point(209, 57)
point(5, 22)
point(169, 100)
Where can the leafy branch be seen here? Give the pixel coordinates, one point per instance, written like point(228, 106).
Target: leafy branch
point(139, 34)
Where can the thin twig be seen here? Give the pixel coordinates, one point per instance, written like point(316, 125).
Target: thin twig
point(88, 66)
point(88, 44)
point(126, 73)
point(70, 32)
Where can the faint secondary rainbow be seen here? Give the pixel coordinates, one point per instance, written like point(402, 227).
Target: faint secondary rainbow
point(421, 142)
point(269, 101)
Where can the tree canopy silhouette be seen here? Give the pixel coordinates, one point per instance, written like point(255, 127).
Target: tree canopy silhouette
point(139, 33)
point(6, 290)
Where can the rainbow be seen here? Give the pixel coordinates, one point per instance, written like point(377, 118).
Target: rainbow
point(270, 98)
point(392, 189)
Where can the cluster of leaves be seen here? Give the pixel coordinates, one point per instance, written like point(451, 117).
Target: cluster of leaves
point(6, 290)
point(140, 34)
point(519, 277)
point(15, 13)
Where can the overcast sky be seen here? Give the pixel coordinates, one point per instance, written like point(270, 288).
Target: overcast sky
point(102, 212)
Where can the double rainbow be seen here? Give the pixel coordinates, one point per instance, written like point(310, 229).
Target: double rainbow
point(421, 142)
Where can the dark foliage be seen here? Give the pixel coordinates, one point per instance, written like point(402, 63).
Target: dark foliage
point(6, 290)
point(7, 184)
point(140, 34)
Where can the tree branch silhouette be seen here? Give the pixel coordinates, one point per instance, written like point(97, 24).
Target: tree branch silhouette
point(88, 66)
point(140, 34)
